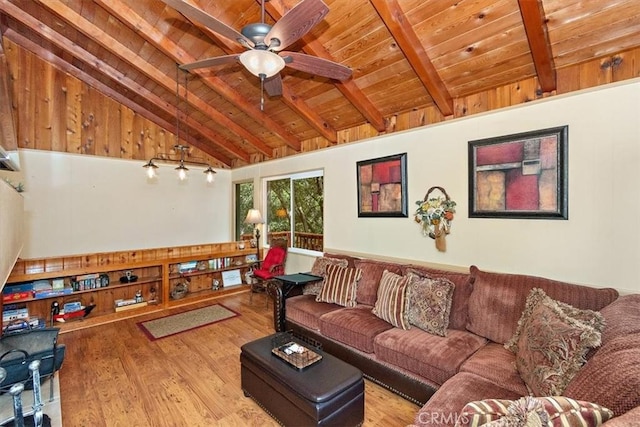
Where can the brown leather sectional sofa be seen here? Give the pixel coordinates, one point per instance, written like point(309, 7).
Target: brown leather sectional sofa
point(471, 362)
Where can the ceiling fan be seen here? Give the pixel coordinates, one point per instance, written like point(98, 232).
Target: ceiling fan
point(265, 57)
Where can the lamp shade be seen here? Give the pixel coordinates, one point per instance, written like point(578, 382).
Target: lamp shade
point(254, 217)
point(262, 62)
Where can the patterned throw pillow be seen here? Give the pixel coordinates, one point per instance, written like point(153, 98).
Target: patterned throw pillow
point(391, 304)
point(319, 268)
point(551, 342)
point(430, 303)
point(340, 285)
point(555, 411)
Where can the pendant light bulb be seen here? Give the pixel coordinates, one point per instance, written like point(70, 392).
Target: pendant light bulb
point(211, 174)
point(182, 171)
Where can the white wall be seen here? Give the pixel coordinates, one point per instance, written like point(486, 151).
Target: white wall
point(11, 229)
point(600, 243)
point(83, 204)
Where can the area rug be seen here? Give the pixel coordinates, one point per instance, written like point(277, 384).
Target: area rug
point(185, 321)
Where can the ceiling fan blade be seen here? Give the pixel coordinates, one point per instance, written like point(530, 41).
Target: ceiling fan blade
point(273, 85)
point(296, 23)
point(210, 62)
point(318, 66)
point(209, 21)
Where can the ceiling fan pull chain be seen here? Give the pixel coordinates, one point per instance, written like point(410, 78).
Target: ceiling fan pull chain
point(262, 92)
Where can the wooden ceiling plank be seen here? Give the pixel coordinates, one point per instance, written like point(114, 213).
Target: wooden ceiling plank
point(143, 28)
point(66, 67)
point(536, 28)
point(276, 9)
point(116, 48)
point(394, 19)
point(48, 34)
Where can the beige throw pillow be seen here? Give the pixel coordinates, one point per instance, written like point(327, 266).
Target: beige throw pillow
point(391, 304)
point(340, 286)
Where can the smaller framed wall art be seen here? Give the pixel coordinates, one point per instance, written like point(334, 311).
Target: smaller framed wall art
point(520, 176)
point(382, 186)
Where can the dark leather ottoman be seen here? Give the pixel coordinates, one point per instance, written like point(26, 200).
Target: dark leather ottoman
point(327, 393)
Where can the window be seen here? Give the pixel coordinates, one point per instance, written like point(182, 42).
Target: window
point(295, 208)
point(244, 202)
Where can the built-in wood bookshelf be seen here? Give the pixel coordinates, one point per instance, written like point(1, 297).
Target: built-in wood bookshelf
point(98, 280)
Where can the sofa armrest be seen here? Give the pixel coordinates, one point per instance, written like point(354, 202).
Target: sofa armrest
point(274, 289)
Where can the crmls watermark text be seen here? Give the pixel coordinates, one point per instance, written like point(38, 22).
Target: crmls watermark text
point(438, 418)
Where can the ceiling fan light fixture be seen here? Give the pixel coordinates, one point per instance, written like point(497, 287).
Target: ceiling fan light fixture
point(262, 62)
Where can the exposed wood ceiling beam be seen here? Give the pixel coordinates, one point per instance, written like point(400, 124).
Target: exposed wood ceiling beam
point(51, 36)
point(276, 9)
point(137, 23)
point(293, 102)
point(535, 25)
point(308, 114)
point(121, 51)
point(395, 20)
point(7, 127)
point(106, 90)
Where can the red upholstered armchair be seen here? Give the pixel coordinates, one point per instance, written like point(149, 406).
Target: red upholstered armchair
point(271, 266)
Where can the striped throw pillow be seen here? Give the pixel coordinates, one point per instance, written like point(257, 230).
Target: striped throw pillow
point(552, 411)
point(391, 305)
point(340, 285)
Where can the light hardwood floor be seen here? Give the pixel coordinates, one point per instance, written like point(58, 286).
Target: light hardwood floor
point(114, 376)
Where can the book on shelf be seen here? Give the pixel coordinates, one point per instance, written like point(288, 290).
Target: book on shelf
point(48, 293)
point(14, 312)
point(16, 296)
point(32, 322)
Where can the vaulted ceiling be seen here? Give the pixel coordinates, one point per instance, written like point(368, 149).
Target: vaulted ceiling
point(404, 55)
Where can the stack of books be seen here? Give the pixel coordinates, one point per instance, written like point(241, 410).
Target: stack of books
point(16, 317)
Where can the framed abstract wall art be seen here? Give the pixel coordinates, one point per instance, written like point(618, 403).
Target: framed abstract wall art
point(382, 186)
point(520, 176)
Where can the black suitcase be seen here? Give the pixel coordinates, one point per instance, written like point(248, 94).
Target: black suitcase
point(19, 348)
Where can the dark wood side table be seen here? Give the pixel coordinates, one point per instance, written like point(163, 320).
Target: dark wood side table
point(283, 287)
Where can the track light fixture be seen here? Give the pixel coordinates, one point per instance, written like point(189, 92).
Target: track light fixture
point(151, 166)
point(182, 150)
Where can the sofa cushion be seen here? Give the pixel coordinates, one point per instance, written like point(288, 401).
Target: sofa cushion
point(622, 318)
point(356, 327)
point(339, 286)
point(429, 303)
point(430, 356)
point(460, 300)
point(530, 411)
point(611, 377)
point(551, 342)
point(497, 300)
point(306, 311)
point(445, 406)
point(371, 275)
point(498, 365)
point(392, 301)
